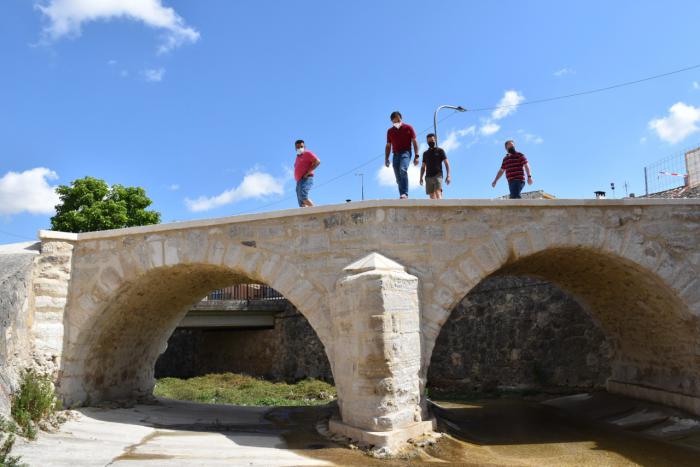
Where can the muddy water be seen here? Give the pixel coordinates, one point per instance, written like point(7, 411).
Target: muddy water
point(497, 432)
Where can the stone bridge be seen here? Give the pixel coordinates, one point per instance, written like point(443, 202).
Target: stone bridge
point(377, 280)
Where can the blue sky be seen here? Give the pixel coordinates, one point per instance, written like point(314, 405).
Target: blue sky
point(200, 102)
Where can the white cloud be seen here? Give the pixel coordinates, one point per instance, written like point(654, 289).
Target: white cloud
point(255, 184)
point(564, 71)
point(696, 85)
point(451, 143)
point(470, 131)
point(679, 124)
point(531, 138)
point(28, 191)
point(489, 128)
point(154, 75)
point(124, 73)
point(66, 18)
point(508, 104)
point(643, 140)
point(174, 187)
point(386, 177)
point(112, 62)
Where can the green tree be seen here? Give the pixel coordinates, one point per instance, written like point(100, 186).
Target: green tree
point(89, 204)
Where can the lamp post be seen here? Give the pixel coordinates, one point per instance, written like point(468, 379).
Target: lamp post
point(458, 108)
point(362, 183)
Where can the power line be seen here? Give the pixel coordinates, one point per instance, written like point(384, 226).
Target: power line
point(489, 109)
point(590, 91)
point(10, 234)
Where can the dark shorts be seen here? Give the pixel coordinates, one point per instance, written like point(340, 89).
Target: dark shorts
point(303, 187)
point(433, 184)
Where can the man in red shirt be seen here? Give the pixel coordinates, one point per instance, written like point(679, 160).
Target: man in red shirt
point(514, 165)
point(399, 139)
point(304, 166)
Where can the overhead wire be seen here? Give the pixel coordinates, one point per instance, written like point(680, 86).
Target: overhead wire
point(489, 109)
point(10, 234)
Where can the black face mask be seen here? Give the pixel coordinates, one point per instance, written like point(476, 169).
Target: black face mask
point(511, 150)
point(431, 144)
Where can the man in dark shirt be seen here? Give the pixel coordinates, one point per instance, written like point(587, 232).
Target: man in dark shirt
point(399, 138)
point(514, 165)
point(432, 169)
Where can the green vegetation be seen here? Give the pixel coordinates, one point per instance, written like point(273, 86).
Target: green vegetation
point(229, 388)
point(8, 428)
point(34, 402)
point(89, 204)
point(6, 460)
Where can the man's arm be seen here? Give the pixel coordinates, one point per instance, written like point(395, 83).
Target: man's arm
point(387, 151)
point(422, 172)
point(529, 174)
point(498, 175)
point(313, 166)
point(447, 169)
point(415, 151)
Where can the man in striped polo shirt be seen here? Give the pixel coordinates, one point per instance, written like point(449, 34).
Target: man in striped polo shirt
point(515, 166)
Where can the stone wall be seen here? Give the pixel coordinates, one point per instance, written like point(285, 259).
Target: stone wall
point(16, 266)
point(508, 332)
point(290, 351)
point(516, 332)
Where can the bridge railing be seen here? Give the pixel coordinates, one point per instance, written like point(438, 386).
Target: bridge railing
point(245, 292)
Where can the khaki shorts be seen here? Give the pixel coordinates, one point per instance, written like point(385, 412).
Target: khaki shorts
point(433, 184)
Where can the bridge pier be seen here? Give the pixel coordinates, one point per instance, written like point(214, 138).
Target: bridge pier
point(377, 353)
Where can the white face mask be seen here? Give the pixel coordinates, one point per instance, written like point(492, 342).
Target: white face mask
point(397, 125)
point(300, 151)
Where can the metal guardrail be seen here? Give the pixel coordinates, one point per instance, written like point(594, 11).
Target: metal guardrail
point(245, 292)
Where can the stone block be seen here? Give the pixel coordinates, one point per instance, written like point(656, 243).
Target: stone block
point(216, 253)
point(50, 287)
point(393, 440)
point(44, 302)
point(170, 251)
point(155, 249)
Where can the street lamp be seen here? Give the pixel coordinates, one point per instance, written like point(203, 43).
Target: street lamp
point(362, 181)
point(458, 108)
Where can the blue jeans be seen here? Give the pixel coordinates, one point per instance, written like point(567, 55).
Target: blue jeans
point(401, 162)
point(515, 187)
point(303, 187)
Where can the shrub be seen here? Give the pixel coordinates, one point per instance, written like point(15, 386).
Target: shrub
point(6, 460)
point(35, 401)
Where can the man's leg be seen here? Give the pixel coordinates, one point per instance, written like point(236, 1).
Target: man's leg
point(396, 164)
point(438, 187)
point(515, 187)
point(299, 198)
point(405, 161)
point(306, 184)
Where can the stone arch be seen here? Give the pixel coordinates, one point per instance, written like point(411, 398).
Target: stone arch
point(639, 292)
point(118, 323)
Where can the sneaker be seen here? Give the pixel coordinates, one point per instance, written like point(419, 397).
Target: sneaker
point(403, 196)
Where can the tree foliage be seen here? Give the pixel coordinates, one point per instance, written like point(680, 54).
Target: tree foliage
point(89, 204)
